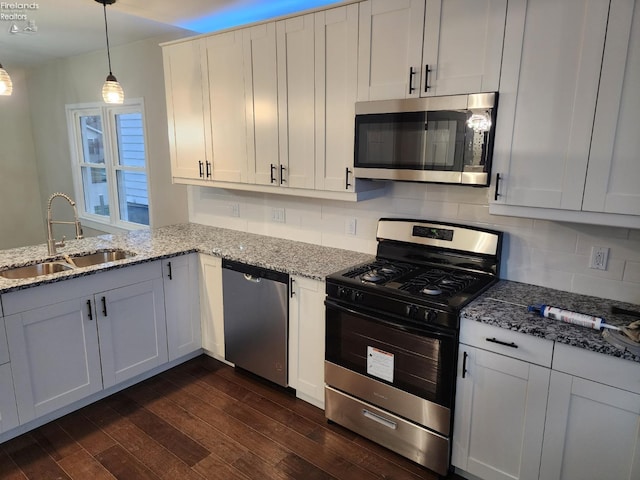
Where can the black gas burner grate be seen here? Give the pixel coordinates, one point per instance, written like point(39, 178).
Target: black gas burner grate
point(380, 271)
point(438, 283)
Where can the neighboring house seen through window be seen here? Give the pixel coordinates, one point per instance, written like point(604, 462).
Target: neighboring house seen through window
point(109, 163)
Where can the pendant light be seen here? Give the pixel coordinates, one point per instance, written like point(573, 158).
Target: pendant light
point(6, 86)
point(111, 90)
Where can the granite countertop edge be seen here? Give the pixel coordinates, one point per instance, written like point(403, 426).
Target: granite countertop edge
point(505, 306)
point(286, 256)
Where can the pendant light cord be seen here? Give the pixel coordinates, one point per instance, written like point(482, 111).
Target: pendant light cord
point(106, 32)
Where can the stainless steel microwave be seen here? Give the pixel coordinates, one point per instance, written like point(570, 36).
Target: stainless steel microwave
point(445, 139)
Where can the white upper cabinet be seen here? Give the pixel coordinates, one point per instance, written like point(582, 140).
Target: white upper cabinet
point(461, 50)
point(261, 90)
point(566, 141)
point(227, 106)
point(390, 56)
point(186, 109)
point(336, 54)
point(296, 97)
point(614, 161)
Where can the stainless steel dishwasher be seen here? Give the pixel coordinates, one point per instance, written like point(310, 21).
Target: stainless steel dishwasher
point(256, 319)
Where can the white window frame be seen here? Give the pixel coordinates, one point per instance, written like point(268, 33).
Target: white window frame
point(112, 223)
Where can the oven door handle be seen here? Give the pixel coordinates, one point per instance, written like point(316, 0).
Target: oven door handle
point(432, 332)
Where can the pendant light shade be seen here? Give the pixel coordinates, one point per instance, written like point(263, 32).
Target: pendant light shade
point(6, 86)
point(111, 90)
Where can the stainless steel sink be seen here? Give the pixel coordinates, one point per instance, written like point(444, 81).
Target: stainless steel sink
point(44, 268)
point(90, 259)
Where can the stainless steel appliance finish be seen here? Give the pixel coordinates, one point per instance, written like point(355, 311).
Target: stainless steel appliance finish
point(392, 334)
point(445, 139)
point(256, 319)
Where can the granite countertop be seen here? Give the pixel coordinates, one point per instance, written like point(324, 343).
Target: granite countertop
point(295, 258)
point(505, 305)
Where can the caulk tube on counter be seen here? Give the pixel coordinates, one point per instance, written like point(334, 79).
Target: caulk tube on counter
point(568, 316)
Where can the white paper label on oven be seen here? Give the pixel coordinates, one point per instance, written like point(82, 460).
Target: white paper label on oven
point(380, 363)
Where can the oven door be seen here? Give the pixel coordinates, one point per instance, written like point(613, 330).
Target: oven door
point(407, 371)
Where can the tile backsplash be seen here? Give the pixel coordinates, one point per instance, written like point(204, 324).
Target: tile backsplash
point(551, 254)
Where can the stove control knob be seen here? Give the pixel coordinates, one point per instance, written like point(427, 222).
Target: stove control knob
point(430, 315)
point(411, 311)
point(343, 292)
point(356, 296)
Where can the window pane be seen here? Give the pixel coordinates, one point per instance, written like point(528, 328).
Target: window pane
point(133, 197)
point(96, 193)
point(130, 139)
point(92, 141)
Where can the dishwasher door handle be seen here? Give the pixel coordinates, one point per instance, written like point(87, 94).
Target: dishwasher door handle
point(251, 278)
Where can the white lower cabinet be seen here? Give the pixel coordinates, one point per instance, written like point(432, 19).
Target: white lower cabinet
point(8, 408)
point(182, 305)
point(67, 343)
point(592, 430)
point(211, 310)
point(500, 403)
point(306, 339)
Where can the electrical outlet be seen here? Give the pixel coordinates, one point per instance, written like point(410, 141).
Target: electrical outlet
point(599, 257)
point(350, 226)
point(235, 209)
point(277, 215)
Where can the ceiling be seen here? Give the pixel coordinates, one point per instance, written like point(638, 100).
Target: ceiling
point(71, 27)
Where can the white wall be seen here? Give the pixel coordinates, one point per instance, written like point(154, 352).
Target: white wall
point(79, 79)
point(21, 222)
point(539, 252)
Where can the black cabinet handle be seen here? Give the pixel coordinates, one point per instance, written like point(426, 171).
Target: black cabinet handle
point(500, 342)
point(200, 166)
point(90, 311)
point(273, 169)
point(291, 292)
point(412, 72)
point(104, 306)
point(464, 364)
point(496, 194)
point(427, 71)
point(170, 273)
point(282, 169)
point(346, 178)
point(208, 169)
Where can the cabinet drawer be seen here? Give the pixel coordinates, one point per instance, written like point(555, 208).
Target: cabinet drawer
point(506, 342)
point(4, 349)
point(617, 372)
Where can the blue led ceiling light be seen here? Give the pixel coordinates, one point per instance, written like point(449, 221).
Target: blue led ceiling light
point(250, 11)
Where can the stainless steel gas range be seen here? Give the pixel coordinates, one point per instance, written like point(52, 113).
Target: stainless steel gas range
point(392, 334)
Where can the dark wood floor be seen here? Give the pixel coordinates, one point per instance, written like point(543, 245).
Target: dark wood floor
point(200, 420)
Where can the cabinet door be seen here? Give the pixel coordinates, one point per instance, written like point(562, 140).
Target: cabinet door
point(227, 107)
point(336, 53)
point(547, 102)
point(390, 56)
point(182, 307)
point(499, 415)
point(55, 358)
point(296, 97)
point(8, 407)
point(306, 339)
point(132, 330)
point(462, 46)
point(211, 311)
point(186, 109)
point(261, 87)
point(614, 169)
point(591, 431)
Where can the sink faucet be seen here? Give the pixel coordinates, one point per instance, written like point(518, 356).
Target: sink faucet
point(51, 242)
